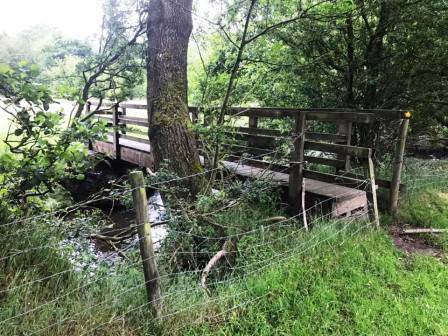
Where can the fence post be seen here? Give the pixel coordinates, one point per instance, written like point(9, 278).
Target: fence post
point(116, 134)
point(376, 216)
point(398, 165)
point(146, 246)
point(296, 180)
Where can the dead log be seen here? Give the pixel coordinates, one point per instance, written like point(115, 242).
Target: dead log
point(424, 230)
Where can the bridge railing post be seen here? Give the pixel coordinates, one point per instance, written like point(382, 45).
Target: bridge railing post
point(345, 128)
point(253, 123)
point(116, 132)
point(123, 113)
point(88, 108)
point(296, 180)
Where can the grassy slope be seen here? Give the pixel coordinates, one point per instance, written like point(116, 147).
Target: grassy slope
point(336, 282)
point(364, 287)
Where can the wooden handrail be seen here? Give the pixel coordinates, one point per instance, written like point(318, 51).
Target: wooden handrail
point(358, 115)
point(360, 152)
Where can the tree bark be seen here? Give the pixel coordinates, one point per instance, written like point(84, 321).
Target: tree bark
point(168, 30)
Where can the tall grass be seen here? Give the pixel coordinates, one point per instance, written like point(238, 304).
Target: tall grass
point(425, 204)
point(361, 287)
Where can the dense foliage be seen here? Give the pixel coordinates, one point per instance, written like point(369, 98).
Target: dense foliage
point(41, 149)
point(364, 54)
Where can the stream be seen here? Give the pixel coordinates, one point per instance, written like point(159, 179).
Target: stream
point(90, 255)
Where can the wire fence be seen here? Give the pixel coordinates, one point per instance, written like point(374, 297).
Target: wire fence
point(271, 245)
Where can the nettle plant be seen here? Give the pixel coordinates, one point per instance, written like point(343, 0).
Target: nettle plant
point(41, 149)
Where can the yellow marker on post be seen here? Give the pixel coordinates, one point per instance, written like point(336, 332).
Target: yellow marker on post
point(408, 114)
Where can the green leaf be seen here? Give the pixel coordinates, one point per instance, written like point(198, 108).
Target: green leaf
point(23, 63)
point(4, 69)
point(80, 177)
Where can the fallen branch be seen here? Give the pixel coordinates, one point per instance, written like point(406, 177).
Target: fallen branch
point(125, 234)
point(273, 220)
point(226, 249)
point(116, 239)
point(429, 230)
point(213, 261)
point(119, 252)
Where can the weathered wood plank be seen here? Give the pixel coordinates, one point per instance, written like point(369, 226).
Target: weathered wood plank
point(108, 118)
point(277, 133)
point(133, 106)
point(262, 164)
point(240, 149)
point(336, 179)
point(360, 152)
point(291, 113)
point(382, 183)
point(133, 138)
point(134, 121)
point(377, 113)
point(325, 161)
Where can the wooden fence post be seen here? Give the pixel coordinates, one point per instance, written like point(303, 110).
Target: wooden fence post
point(116, 134)
point(146, 246)
point(376, 216)
point(398, 165)
point(296, 172)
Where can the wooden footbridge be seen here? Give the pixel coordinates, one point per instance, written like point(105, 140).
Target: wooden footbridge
point(256, 151)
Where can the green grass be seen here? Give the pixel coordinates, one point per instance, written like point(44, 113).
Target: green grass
point(339, 279)
point(79, 303)
point(362, 287)
point(428, 207)
point(425, 204)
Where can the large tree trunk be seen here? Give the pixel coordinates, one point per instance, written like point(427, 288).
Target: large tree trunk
point(169, 29)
